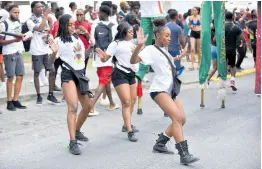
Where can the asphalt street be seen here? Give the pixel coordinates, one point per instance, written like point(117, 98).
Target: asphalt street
point(230, 138)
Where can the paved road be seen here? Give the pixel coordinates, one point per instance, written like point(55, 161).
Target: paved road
point(223, 138)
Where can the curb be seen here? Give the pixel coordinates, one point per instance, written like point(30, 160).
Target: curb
point(29, 97)
point(238, 74)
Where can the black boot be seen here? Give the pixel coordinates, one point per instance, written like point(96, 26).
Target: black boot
point(185, 156)
point(160, 146)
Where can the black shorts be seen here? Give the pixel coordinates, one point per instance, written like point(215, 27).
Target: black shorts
point(231, 57)
point(154, 94)
point(67, 75)
point(120, 77)
point(195, 34)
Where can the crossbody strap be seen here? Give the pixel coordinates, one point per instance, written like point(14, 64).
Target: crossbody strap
point(230, 30)
point(169, 61)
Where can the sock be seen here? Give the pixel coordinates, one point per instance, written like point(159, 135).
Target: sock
point(50, 93)
point(38, 95)
point(233, 78)
point(166, 135)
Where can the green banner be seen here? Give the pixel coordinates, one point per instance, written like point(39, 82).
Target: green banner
point(219, 19)
point(205, 46)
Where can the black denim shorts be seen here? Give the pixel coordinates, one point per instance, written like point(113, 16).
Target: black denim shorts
point(67, 75)
point(119, 77)
point(154, 94)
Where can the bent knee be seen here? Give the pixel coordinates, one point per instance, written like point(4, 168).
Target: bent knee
point(73, 107)
point(126, 103)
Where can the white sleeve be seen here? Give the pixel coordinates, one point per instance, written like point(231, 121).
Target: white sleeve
point(114, 31)
point(93, 27)
point(111, 49)
point(30, 24)
point(146, 55)
point(57, 42)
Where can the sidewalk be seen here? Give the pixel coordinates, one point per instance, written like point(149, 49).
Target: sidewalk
point(188, 77)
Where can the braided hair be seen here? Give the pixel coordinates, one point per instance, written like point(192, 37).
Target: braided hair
point(63, 32)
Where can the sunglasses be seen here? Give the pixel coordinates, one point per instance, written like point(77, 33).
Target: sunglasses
point(79, 14)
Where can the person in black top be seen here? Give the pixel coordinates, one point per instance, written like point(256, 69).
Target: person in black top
point(232, 31)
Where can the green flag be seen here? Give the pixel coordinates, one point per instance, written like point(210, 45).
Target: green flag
point(219, 19)
point(205, 46)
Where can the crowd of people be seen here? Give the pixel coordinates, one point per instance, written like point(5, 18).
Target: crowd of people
point(120, 45)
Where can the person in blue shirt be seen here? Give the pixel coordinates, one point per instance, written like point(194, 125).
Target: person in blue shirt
point(176, 40)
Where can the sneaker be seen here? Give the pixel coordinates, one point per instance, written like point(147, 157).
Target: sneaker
point(57, 89)
point(180, 71)
point(93, 113)
point(10, 106)
point(131, 136)
point(52, 99)
point(80, 136)
point(134, 129)
point(104, 102)
point(232, 85)
point(63, 100)
point(39, 101)
point(2, 87)
point(73, 147)
point(18, 105)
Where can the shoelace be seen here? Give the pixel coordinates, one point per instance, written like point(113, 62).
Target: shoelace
point(76, 143)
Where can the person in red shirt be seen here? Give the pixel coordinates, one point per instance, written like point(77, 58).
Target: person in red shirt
point(83, 30)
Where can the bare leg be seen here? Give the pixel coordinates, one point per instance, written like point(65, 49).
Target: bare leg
point(71, 97)
point(18, 85)
point(9, 88)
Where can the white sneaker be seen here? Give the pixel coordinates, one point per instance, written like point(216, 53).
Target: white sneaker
point(2, 87)
point(94, 113)
point(104, 102)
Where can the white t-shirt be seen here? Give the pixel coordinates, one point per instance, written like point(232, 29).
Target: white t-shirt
point(122, 51)
point(3, 15)
point(96, 60)
point(73, 14)
point(13, 27)
point(52, 15)
point(163, 79)
point(88, 18)
point(72, 53)
point(151, 8)
point(37, 46)
point(113, 19)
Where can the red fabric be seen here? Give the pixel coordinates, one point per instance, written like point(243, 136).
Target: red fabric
point(258, 57)
point(87, 26)
point(55, 28)
point(139, 89)
point(1, 59)
point(104, 74)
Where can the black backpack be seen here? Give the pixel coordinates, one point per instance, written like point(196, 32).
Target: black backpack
point(28, 42)
point(103, 35)
point(6, 28)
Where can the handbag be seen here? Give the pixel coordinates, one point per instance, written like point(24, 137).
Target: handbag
point(83, 81)
point(176, 82)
